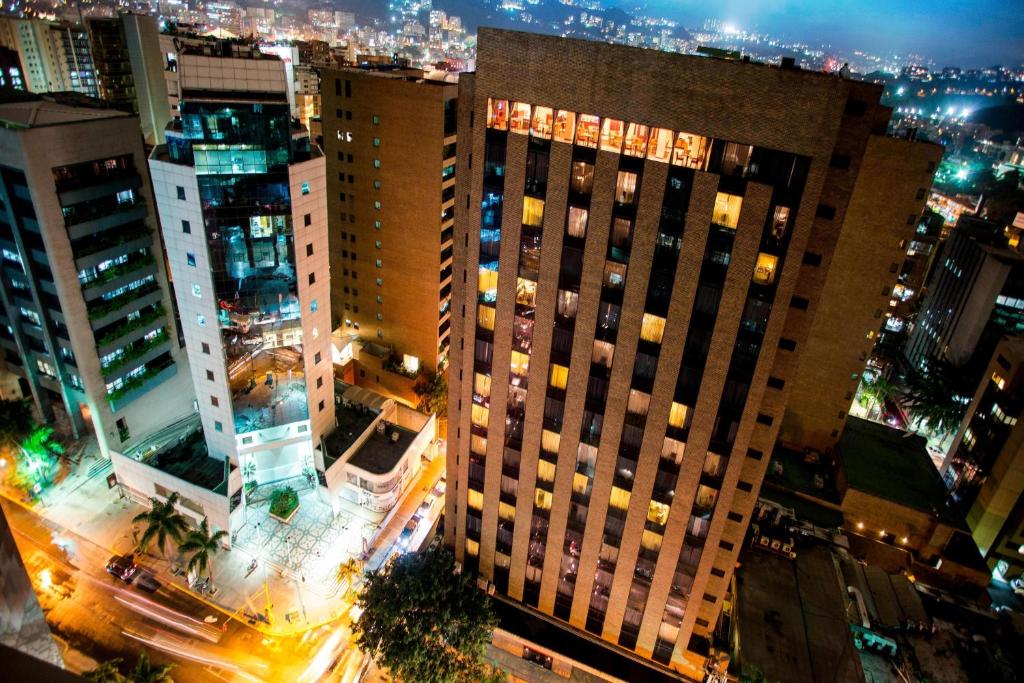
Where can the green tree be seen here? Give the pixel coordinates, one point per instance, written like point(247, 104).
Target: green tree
point(425, 622)
point(147, 672)
point(432, 389)
point(202, 545)
point(876, 391)
point(934, 398)
point(106, 672)
point(16, 423)
point(37, 460)
point(163, 522)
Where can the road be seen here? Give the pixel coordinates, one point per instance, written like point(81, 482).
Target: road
point(101, 616)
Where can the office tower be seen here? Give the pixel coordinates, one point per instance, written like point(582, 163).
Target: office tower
point(975, 295)
point(55, 57)
point(87, 314)
point(22, 622)
point(242, 208)
point(130, 69)
point(983, 469)
point(639, 267)
point(389, 140)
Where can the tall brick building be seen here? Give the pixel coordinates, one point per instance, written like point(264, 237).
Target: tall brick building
point(642, 243)
point(389, 139)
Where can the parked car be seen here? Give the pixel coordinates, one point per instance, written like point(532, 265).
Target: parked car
point(410, 528)
point(123, 567)
point(147, 582)
point(425, 506)
point(440, 487)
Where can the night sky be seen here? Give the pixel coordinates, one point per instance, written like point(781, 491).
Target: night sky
point(969, 33)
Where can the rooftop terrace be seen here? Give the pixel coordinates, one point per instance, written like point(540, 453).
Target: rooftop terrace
point(188, 458)
point(381, 452)
point(352, 422)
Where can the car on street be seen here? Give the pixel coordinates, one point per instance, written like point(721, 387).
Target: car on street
point(123, 567)
point(147, 582)
point(410, 528)
point(425, 506)
point(440, 487)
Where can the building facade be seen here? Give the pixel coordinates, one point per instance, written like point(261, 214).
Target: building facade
point(984, 469)
point(240, 195)
point(87, 313)
point(391, 195)
point(639, 268)
point(55, 57)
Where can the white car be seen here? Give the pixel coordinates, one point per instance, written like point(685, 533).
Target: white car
point(440, 488)
point(1018, 585)
point(426, 505)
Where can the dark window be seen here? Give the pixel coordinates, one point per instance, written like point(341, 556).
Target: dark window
point(733, 517)
point(217, 426)
point(715, 571)
point(921, 192)
point(186, 227)
point(214, 401)
point(840, 161)
point(856, 107)
point(317, 357)
point(754, 454)
point(765, 419)
point(799, 302)
point(776, 383)
point(309, 249)
point(307, 219)
point(206, 348)
point(894, 267)
point(209, 375)
point(931, 167)
point(725, 545)
point(337, 86)
point(348, 88)
point(703, 623)
point(812, 259)
point(745, 486)
point(1003, 363)
point(321, 406)
point(787, 344)
point(181, 192)
point(190, 259)
point(319, 382)
point(826, 212)
point(708, 598)
point(312, 278)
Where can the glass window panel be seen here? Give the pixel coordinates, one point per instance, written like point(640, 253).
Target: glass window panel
point(545, 471)
point(559, 376)
point(614, 275)
point(764, 269)
point(657, 512)
point(577, 223)
point(480, 415)
point(625, 187)
point(472, 547)
point(485, 316)
point(582, 180)
point(651, 540)
point(588, 130)
point(580, 483)
point(622, 231)
point(533, 211)
point(542, 499)
point(636, 140)
point(619, 498)
point(520, 122)
point(549, 441)
point(611, 135)
point(526, 292)
point(497, 114)
point(520, 363)
point(677, 415)
point(727, 210)
point(690, 151)
point(475, 499)
point(652, 328)
point(603, 352)
point(487, 285)
point(638, 402)
point(780, 219)
point(506, 512)
point(672, 449)
point(660, 146)
point(478, 444)
point(540, 126)
point(566, 303)
point(565, 123)
point(481, 385)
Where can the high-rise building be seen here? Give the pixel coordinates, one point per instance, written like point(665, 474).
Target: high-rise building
point(87, 322)
point(11, 75)
point(643, 241)
point(391, 192)
point(984, 469)
point(55, 57)
point(243, 213)
point(975, 295)
point(130, 69)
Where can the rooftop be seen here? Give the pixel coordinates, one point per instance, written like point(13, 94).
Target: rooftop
point(188, 459)
point(352, 422)
point(381, 452)
point(868, 449)
point(24, 110)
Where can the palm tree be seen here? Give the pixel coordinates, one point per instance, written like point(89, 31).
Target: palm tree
point(934, 398)
point(203, 545)
point(349, 571)
point(146, 672)
point(106, 672)
point(875, 392)
point(163, 522)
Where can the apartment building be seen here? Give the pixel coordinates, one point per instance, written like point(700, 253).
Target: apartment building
point(55, 57)
point(643, 243)
point(240, 194)
point(389, 137)
point(87, 323)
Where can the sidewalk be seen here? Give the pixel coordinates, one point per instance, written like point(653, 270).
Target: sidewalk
point(299, 600)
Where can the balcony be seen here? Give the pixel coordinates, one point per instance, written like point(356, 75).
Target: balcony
point(141, 352)
point(83, 225)
point(102, 312)
point(138, 386)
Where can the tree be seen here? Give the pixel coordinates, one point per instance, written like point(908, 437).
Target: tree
point(37, 460)
point(106, 672)
point(876, 392)
point(934, 398)
point(16, 423)
point(348, 571)
point(163, 522)
point(432, 389)
point(203, 545)
point(425, 622)
point(147, 672)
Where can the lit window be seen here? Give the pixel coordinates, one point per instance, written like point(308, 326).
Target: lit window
point(780, 219)
point(474, 499)
point(305, 188)
point(580, 483)
point(549, 441)
point(636, 140)
point(727, 210)
point(559, 376)
point(526, 292)
point(689, 151)
point(533, 211)
point(190, 259)
point(497, 114)
point(657, 513)
point(506, 512)
point(614, 275)
point(201, 319)
point(625, 187)
point(577, 222)
point(478, 444)
point(764, 269)
point(638, 402)
point(603, 352)
point(619, 498)
point(652, 328)
point(487, 285)
point(542, 499)
point(588, 130)
point(197, 292)
point(540, 126)
point(472, 547)
point(660, 146)
point(565, 123)
point(376, 142)
point(566, 303)
point(545, 471)
point(582, 178)
point(485, 316)
point(999, 381)
point(520, 118)
point(651, 540)
point(611, 135)
point(481, 386)
point(677, 415)
point(520, 363)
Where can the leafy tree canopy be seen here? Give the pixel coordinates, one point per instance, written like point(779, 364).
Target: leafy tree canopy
point(432, 389)
point(424, 622)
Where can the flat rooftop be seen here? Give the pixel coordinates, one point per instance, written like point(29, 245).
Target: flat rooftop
point(379, 454)
point(24, 110)
point(791, 619)
point(894, 465)
point(352, 422)
point(188, 459)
